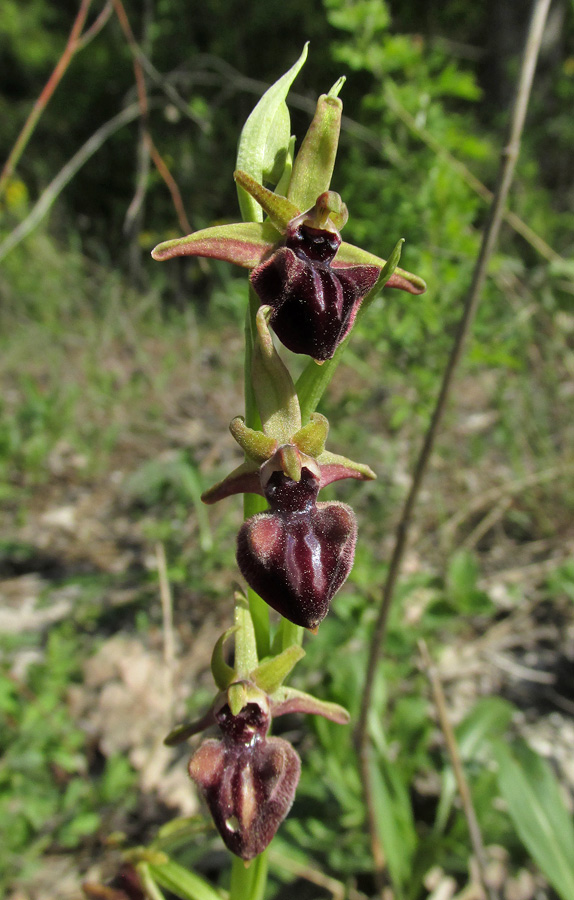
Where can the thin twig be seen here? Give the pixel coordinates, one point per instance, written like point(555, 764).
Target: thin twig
point(509, 156)
point(462, 784)
point(65, 175)
point(167, 621)
point(486, 523)
point(90, 33)
point(147, 138)
point(72, 45)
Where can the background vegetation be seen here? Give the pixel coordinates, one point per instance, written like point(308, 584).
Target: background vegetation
point(119, 376)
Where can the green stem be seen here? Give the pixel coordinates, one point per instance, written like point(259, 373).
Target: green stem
point(248, 883)
point(253, 503)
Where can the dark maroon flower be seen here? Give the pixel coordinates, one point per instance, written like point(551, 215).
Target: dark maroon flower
point(248, 779)
point(297, 555)
point(314, 305)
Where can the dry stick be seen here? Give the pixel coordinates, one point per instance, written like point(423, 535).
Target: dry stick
point(167, 620)
point(70, 49)
point(462, 784)
point(96, 26)
point(509, 156)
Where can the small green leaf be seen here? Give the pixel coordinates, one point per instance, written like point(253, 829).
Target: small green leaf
point(540, 817)
point(264, 142)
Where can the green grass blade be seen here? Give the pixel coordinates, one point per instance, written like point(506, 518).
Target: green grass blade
point(394, 820)
point(182, 882)
point(538, 812)
point(488, 719)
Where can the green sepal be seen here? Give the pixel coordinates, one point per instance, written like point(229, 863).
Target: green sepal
point(246, 658)
point(287, 700)
point(223, 674)
point(243, 479)
point(274, 389)
point(272, 672)
point(326, 458)
point(264, 140)
point(312, 437)
point(242, 243)
point(278, 208)
point(256, 445)
point(181, 733)
point(314, 164)
point(349, 255)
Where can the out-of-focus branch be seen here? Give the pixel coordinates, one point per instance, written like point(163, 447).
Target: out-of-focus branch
point(72, 45)
point(147, 138)
point(65, 175)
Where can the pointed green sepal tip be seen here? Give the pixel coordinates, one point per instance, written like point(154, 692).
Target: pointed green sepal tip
point(314, 164)
point(312, 437)
point(271, 673)
point(335, 467)
point(336, 89)
point(223, 674)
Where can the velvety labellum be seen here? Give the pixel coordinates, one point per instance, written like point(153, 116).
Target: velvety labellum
point(248, 781)
point(314, 305)
point(297, 555)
